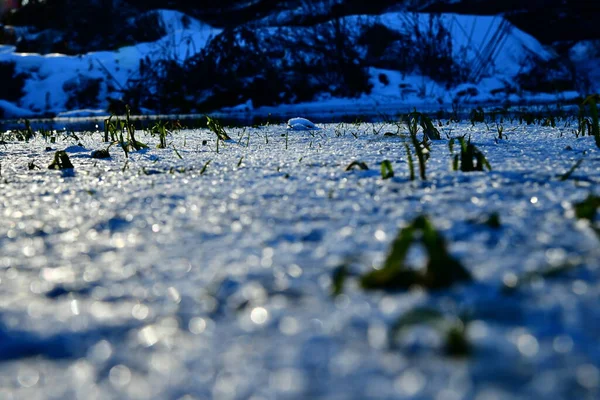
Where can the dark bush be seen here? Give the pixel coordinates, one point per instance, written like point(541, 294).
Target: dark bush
point(378, 38)
point(82, 91)
point(264, 65)
point(77, 27)
point(161, 86)
point(13, 83)
point(383, 78)
point(548, 76)
point(147, 27)
point(416, 48)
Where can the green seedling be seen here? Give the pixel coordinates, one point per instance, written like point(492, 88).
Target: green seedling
point(550, 121)
point(386, 169)
point(61, 161)
point(582, 122)
point(592, 102)
point(587, 208)
point(338, 278)
point(131, 132)
point(420, 148)
point(122, 132)
point(177, 153)
point(470, 157)
point(123, 142)
point(528, 118)
point(111, 129)
point(46, 134)
point(161, 131)
point(215, 126)
point(512, 282)
point(441, 270)
point(26, 134)
point(493, 221)
point(356, 164)
point(500, 129)
point(456, 343)
point(203, 170)
point(568, 174)
point(429, 129)
point(490, 220)
point(100, 154)
point(477, 115)
point(376, 130)
point(411, 166)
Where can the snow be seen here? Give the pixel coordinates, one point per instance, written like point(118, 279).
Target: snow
point(585, 57)
point(9, 110)
point(403, 94)
point(53, 78)
point(45, 89)
point(153, 278)
point(473, 40)
point(88, 113)
point(300, 124)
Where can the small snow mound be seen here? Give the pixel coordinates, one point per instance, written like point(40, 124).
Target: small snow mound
point(301, 124)
point(75, 149)
point(9, 110)
point(83, 113)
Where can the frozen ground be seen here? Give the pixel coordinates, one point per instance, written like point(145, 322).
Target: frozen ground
point(150, 278)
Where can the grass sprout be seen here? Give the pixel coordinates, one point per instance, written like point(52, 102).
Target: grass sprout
point(356, 164)
point(203, 170)
point(420, 148)
point(568, 174)
point(477, 115)
point(429, 129)
point(215, 126)
point(456, 342)
point(386, 169)
point(592, 102)
point(122, 132)
point(441, 270)
point(160, 130)
point(512, 282)
point(100, 154)
point(338, 279)
point(61, 161)
point(411, 166)
point(470, 157)
point(587, 209)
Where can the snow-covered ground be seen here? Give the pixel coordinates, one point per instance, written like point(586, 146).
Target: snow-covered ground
point(167, 277)
point(495, 50)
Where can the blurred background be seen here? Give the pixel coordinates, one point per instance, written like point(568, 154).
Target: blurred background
point(177, 56)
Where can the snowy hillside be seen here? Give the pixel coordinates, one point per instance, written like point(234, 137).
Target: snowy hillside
point(57, 83)
point(476, 59)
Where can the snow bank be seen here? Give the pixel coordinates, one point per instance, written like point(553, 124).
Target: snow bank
point(54, 77)
point(8, 110)
point(495, 50)
point(487, 42)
